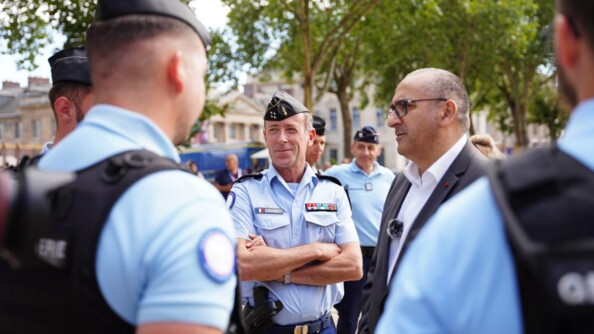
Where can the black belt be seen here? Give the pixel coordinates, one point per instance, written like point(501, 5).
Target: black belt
point(306, 328)
point(367, 251)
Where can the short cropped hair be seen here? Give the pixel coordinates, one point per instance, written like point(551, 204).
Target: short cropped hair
point(75, 92)
point(108, 42)
point(308, 121)
point(447, 85)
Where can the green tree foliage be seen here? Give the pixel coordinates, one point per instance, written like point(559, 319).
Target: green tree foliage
point(547, 109)
point(295, 36)
point(27, 26)
point(494, 46)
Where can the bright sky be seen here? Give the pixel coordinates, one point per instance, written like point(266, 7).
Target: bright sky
point(210, 12)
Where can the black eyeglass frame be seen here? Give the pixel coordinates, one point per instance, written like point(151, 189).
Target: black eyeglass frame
point(406, 102)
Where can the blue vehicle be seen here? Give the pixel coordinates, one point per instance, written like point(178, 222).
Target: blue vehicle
point(210, 158)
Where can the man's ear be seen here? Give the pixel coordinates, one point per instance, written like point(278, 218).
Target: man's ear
point(64, 111)
point(312, 136)
point(449, 113)
point(176, 73)
point(566, 42)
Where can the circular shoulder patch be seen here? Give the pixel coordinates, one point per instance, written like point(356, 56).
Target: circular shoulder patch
point(217, 255)
point(230, 200)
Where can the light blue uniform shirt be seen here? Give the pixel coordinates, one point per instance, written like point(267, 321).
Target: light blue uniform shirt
point(149, 267)
point(287, 224)
point(458, 275)
point(368, 194)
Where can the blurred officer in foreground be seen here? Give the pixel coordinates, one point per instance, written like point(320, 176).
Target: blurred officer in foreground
point(513, 253)
point(367, 183)
point(132, 248)
point(429, 114)
point(296, 239)
point(315, 152)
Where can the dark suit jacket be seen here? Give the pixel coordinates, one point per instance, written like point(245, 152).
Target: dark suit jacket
point(466, 168)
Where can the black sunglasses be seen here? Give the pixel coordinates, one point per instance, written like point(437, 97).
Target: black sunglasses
point(400, 107)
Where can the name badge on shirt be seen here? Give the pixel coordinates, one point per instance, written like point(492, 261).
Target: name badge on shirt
point(269, 211)
point(321, 207)
point(368, 186)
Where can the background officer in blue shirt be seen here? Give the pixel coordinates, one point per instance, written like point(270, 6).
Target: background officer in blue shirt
point(165, 254)
point(367, 183)
point(295, 235)
point(71, 95)
point(459, 276)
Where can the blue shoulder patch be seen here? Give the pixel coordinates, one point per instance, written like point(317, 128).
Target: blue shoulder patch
point(230, 200)
point(217, 255)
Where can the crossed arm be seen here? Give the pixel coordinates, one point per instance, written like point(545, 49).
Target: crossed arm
point(332, 264)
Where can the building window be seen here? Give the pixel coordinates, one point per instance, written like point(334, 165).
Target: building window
point(232, 131)
point(18, 130)
point(255, 133)
point(334, 156)
point(356, 119)
point(241, 130)
point(379, 114)
point(333, 119)
point(36, 128)
point(219, 132)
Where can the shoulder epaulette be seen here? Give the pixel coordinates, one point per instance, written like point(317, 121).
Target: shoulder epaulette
point(329, 178)
point(258, 177)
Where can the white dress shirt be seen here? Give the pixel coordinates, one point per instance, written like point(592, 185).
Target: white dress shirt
point(422, 187)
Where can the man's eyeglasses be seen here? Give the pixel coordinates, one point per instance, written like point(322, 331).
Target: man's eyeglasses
point(400, 107)
point(395, 229)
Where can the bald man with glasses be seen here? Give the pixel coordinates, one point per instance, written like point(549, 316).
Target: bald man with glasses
point(430, 116)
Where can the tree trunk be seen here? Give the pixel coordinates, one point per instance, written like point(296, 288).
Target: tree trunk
point(347, 121)
point(308, 73)
point(519, 118)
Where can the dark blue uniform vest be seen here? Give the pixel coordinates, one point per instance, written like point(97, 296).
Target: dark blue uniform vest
point(59, 293)
point(547, 200)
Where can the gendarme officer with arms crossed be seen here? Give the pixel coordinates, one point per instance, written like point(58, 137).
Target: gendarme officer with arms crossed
point(131, 247)
point(295, 236)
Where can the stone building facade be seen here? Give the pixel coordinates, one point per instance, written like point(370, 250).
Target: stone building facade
point(26, 118)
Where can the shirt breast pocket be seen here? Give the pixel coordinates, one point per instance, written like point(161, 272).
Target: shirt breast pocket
point(274, 229)
point(321, 226)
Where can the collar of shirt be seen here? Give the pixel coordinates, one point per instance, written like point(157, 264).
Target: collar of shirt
point(436, 171)
point(46, 147)
point(579, 134)
point(133, 126)
point(357, 169)
point(308, 177)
